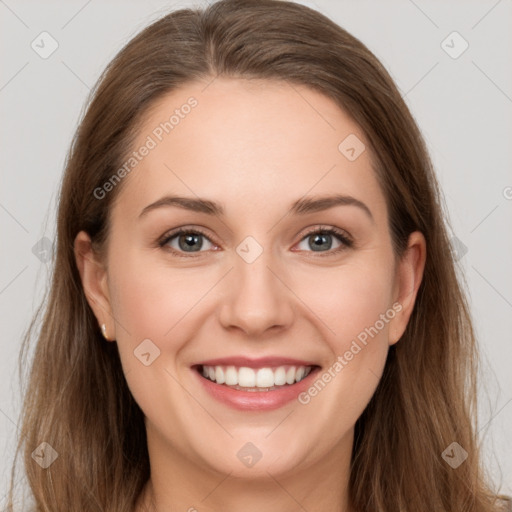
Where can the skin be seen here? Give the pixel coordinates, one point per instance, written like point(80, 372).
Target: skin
point(255, 147)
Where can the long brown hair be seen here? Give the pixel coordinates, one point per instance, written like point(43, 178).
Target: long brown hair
point(77, 398)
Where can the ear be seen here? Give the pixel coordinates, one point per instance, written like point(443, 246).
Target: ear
point(408, 277)
point(93, 274)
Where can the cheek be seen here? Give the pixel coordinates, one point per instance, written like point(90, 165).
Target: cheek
point(149, 300)
point(355, 303)
point(151, 305)
point(364, 298)
point(167, 306)
point(349, 300)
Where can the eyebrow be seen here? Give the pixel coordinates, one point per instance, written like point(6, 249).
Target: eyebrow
point(302, 206)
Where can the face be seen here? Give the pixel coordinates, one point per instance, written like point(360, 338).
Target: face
point(254, 314)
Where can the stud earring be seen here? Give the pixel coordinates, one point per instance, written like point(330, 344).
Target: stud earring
point(104, 331)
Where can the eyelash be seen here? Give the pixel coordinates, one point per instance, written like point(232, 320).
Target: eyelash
point(346, 241)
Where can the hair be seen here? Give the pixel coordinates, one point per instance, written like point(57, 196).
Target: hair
point(77, 398)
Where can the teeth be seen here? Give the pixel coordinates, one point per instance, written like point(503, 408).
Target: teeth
point(265, 378)
point(261, 378)
point(246, 377)
point(219, 375)
point(231, 376)
point(280, 376)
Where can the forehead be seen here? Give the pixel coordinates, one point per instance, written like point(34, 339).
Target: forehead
point(248, 143)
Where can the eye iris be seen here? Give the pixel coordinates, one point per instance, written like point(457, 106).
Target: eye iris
point(320, 241)
point(187, 242)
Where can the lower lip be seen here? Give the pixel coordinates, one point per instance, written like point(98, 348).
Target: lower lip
point(256, 400)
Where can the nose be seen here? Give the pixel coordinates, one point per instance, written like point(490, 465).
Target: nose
point(257, 298)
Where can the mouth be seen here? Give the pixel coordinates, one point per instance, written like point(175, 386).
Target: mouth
point(256, 385)
point(256, 380)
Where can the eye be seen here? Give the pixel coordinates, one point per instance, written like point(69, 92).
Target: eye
point(322, 240)
point(186, 241)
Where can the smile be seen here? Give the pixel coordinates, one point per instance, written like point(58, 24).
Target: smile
point(258, 385)
point(255, 379)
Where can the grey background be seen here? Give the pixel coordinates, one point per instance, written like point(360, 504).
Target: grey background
point(463, 107)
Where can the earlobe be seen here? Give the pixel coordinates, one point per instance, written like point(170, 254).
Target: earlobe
point(93, 275)
point(409, 275)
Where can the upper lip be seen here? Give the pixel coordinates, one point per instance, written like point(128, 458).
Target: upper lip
point(262, 362)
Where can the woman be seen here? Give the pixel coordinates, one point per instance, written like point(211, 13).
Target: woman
point(255, 304)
